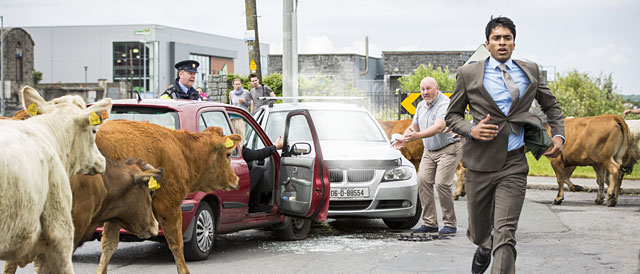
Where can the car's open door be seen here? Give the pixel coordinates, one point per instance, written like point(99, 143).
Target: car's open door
point(303, 184)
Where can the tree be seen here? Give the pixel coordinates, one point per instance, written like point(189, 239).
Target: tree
point(580, 95)
point(37, 77)
point(446, 81)
point(274, 81)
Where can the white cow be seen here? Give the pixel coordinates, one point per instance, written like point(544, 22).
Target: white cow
point(37, 157)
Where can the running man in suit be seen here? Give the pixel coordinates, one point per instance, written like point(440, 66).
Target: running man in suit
point(499, 91)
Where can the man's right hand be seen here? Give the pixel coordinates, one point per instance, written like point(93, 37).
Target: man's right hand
point(483, 131)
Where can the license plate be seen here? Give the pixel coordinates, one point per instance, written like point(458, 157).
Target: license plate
point(360, 192)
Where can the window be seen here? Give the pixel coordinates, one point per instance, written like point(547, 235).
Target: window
point(214, 119)
point(165, 117)
point(19, 70)
point(131, 63)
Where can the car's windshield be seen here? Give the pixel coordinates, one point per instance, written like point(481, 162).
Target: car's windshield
point(161, 116)
point(340, 125)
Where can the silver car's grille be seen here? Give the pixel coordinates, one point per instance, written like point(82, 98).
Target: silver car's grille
point(360, 175)
point(336, 175)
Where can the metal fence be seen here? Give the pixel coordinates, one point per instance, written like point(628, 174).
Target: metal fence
point(383, 105)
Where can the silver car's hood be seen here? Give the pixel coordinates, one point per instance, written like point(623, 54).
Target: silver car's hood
point(352, 150)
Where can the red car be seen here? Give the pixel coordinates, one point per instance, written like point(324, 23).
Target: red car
point(292, 191)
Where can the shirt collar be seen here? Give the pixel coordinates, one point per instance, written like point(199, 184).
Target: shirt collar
point(493, 63)
point(182, 87)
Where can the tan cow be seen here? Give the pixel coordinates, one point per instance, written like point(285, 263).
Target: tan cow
point(192, 162)
point(37, 158)
point(414, 149)
point(599, 141)
point(120, 195)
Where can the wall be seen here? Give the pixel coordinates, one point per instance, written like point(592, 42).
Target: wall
point(16, 42)
point(400, 63)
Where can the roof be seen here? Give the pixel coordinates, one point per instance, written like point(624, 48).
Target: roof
point(165, 102)
point(315, 105)
point(6, 32)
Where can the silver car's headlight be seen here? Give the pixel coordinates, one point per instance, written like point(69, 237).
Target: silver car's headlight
point(397, 174)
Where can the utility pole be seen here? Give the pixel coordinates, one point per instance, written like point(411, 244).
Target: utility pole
point(290, 48)
point(253, 44)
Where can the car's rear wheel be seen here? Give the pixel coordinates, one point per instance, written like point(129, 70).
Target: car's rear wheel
point(295, 229)
point(204, 234)
point(405, 223)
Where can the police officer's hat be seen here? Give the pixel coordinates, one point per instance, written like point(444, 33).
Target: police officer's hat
point(188, 65)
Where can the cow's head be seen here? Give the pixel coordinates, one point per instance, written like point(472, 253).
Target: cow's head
point(83, 156)
point(130, 180)
point(218, 173)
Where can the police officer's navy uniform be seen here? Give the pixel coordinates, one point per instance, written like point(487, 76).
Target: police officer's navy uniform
point(175, 90)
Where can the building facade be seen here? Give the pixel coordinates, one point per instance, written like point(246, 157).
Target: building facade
point(17, 64)
point(142, 55)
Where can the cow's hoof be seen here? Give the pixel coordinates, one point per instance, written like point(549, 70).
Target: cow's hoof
point(577, 188)
point(612, 203)
point(599, 201)
point(557, 202)
point(455, 197)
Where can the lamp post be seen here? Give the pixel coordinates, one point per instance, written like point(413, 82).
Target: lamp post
point(85, 74)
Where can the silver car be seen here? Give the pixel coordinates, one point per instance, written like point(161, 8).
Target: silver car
point(369, 178)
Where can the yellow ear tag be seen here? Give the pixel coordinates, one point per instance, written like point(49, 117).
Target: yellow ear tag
point(228, 143)
point(153, 184)
point(33, 109)
point(94, 119)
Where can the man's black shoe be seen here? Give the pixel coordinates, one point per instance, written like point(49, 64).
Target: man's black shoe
point(481, 261)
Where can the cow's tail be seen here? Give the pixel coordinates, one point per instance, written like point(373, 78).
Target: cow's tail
point(629, 158)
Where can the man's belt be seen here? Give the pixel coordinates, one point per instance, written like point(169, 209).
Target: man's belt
point(515, 152)
point(457, 141)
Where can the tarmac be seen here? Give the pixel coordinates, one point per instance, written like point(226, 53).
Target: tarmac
point(589, 184)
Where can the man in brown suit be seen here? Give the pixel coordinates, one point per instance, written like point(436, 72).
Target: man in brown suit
point(499, 92)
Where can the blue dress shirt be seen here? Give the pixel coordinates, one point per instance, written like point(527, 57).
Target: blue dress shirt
point(496, 87)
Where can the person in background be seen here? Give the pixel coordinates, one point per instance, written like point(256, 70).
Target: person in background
point(258, 91)
point(442, 152)
point(203, 95)
point(182, 87)
point(239, 96)
point(499, 92)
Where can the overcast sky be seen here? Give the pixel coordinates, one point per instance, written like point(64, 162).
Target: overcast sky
point(592, 36)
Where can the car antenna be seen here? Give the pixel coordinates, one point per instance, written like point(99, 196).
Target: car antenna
point(139, 97)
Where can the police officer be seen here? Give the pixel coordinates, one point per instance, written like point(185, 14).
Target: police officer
point(182, 88)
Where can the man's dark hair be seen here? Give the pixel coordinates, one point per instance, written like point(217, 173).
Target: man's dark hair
point(500, 21)
point(253, 75)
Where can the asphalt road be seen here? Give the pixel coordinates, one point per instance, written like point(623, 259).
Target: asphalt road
point(575, 237)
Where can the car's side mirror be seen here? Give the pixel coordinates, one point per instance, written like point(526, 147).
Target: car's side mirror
point(300, 149)
point(395, 137)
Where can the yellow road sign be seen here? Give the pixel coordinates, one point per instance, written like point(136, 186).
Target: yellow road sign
point(407, 103)
point(253, 65)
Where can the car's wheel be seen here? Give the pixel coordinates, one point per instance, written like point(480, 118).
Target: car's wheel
point(295, 229)
point(204, 234)
point(405, 223)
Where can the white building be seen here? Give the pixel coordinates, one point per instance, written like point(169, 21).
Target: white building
point(141, 54)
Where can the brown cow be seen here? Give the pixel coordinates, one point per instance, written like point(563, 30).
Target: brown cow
point(414, 149)
point(120, 195)
point(192, 162)
point(599, 141)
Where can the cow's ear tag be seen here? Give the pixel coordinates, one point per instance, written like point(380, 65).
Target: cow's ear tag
point(104, 115)
point(153, 184)
point(33, 109)
point(94, 119)
point(228, 143)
